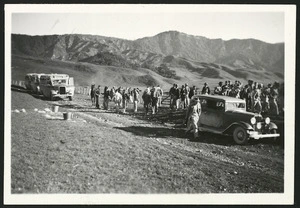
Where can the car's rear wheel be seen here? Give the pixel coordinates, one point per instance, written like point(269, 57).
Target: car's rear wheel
point(240, 136)
point(51, 96)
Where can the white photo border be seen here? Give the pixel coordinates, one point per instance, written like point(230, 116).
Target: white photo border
point(252, 198)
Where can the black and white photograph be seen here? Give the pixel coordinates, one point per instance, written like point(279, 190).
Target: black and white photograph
point(149, 104)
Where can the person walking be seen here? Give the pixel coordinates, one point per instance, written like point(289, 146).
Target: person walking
point(192, 116)
point(154, 98)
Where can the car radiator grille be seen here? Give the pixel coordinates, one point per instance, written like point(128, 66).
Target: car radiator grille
point(62, 90)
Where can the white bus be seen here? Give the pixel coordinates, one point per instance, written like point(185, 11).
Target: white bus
point(57, 85)
point(28, 80)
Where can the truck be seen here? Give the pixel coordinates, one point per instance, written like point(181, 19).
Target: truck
point(54, 86)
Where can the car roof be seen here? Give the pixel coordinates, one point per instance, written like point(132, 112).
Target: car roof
point(222, 97)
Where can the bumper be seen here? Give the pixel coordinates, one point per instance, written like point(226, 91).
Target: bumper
point(256, 135)
point(63, 95)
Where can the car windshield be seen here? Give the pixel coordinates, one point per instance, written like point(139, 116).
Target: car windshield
point(235, 106)
point(213, 104)
point(59, 81)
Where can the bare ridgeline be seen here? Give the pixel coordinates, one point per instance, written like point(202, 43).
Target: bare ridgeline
point(163, 114)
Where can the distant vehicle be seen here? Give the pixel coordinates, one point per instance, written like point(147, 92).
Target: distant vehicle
point(57, 85)
point(35, 83)
point(28, 80)
point(228, 116)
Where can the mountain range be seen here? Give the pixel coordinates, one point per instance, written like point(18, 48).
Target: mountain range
point(172, 54)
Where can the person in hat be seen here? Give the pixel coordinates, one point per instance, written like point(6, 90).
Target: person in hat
point(192, 116)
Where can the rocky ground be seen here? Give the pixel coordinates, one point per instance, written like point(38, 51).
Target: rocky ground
point(105, 152)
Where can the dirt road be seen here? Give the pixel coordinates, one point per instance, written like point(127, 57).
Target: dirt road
point(104, 152)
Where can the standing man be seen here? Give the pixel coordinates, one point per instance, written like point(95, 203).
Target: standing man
point(274, 110)
point(186, 95)
point(192, 116)
point(172, 93)
point(218, 89)
point(176, 99)
point(135, 94)
point(257, 99)
point(154, 98)
point(205, 89)
point(106, 98)
point(161, 93)
point(93, 94)
point(193, 92)
point(97, 96)
point(147, 99)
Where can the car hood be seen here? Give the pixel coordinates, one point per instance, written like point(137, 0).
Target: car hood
point(245, 114)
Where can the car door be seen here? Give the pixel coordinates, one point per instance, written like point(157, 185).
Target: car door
point(212, 113)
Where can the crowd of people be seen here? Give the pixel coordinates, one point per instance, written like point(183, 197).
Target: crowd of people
point(152, 97)
point(259, 98)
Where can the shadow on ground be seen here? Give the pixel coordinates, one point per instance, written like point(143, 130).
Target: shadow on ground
point(161, 132)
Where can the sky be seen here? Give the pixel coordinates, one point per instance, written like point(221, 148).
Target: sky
point(265, 26)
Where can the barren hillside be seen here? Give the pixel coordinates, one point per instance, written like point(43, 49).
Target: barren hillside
point(167, 54)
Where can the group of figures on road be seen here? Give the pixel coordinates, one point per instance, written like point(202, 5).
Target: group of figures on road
point(260, 99)
point(152, 98)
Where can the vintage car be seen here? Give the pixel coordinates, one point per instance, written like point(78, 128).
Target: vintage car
point(228, 116)
point(57, 86)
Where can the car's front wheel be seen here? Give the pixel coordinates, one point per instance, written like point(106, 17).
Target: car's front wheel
point(275, 139)
point(240, 136)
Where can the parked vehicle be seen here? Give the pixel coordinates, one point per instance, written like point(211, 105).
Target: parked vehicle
point(28, 80)
point(228, 116)
point(57, 85)
point(35, 83)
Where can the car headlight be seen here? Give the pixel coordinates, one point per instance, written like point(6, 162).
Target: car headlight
point(258, 125)
point(253, 120)
point(267, 120)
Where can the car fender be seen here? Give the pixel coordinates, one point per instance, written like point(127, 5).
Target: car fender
point(243, 124)
point(53, 92)
point(272, 125)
